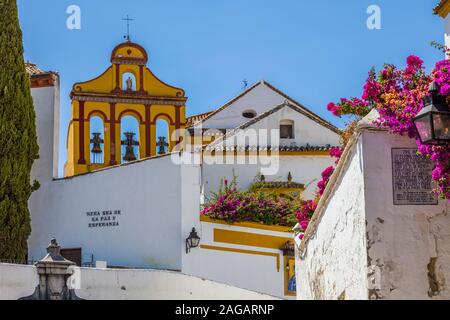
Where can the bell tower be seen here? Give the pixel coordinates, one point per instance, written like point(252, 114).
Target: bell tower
point(126, 88)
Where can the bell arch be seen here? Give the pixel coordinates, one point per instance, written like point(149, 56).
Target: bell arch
point(96, 139)
point(130, 140)
point(145, 97)
point(163, 126)
point(162, 135)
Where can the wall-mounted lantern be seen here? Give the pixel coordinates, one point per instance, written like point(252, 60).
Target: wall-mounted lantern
point(433, 121)
point(192, 241)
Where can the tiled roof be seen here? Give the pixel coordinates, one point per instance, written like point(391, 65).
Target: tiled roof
point(192, 120)
point(33, 70)
point(280, 184)
point(442, 8)
point(307, 148)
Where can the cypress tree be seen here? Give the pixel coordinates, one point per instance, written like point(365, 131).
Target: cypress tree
point(18, 142)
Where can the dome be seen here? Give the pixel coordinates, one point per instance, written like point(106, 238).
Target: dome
point(129, 53)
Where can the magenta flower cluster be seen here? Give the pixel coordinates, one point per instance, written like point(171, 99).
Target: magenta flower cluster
point(397, 95)
point(233, 205)
point(306, 211)
point(305, 214)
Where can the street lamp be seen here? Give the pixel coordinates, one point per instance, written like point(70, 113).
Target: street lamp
point(433, 121)
point(192, 241)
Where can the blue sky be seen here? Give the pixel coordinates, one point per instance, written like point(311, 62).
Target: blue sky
point(315, 51)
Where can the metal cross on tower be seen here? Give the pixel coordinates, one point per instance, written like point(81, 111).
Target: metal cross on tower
point(128, 19)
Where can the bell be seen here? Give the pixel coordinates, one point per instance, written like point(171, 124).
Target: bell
point(129, 142)
point(129, 154)
point(162, 144)
point(96, 141)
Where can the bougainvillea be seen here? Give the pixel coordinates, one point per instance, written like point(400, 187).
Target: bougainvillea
point(233, 205)
point(306, 210)
point(397, 95)
point(304, 215)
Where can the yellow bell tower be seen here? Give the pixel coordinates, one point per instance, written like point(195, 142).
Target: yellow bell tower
point(126, 88)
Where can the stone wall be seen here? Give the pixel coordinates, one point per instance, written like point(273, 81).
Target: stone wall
point(360, 245)
point(22, 282)
point(333, 266)
point(115, 284)
point(17, 281)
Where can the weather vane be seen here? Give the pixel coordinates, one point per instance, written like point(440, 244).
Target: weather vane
point(245, 83)
point(128, 19)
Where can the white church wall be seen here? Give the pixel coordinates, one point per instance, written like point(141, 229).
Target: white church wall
point(148, 195)
point(408, 245)
point(304, 169)
point(334, 263)
point(255, 268)
point(260, 99)
point(447, 30)
point(306, 131)
point(190, 198)
point(404, 250)
point(46, 106)
point(17, 281)
point(115, 284)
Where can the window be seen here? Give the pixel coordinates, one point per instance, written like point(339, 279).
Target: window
point(287, 129)
point(249, 114)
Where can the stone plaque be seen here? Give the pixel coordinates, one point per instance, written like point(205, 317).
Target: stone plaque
point(411, 178)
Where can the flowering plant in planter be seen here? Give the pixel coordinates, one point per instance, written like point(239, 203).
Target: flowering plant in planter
point(233, 205)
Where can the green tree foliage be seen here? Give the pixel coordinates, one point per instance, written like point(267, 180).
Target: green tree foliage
point(18, 142)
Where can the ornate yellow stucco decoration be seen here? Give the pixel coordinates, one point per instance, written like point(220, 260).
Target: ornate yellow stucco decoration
point(443, 8)
point(126, 88)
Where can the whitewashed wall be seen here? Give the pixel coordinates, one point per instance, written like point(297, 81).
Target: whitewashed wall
point(402, 240)
point(306, 131)
point(46, 106)
point(406, 247)
point(447, 30)
point(260, 99)
point(148, 194)
point(107, 284)
point(334, 264)
point(17, 281)
point(249, 271)
point(304, 169)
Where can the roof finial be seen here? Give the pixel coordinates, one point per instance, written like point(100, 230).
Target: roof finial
point(245, 84)
point(128, 19)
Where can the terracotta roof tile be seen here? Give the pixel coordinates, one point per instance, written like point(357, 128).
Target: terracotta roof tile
point(442, 8)
point(307, 148)
point(192, 120)
point(33, 70)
